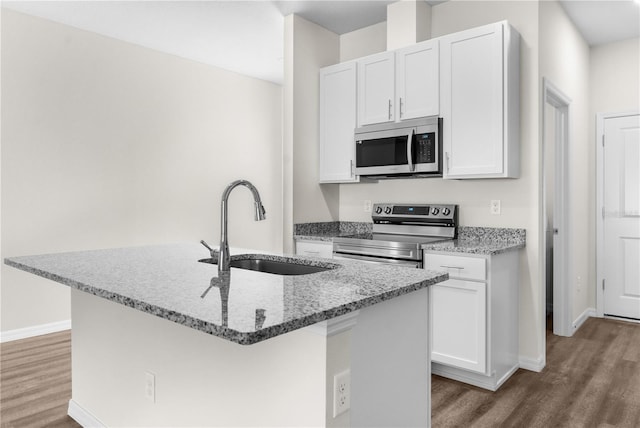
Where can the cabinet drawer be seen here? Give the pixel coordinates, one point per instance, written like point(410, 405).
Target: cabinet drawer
point(314, 249)
point(458, 266)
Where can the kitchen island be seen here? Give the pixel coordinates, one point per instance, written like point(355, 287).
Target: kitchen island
point(158, 339)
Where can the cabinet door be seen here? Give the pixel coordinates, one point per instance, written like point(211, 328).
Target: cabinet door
point(337, 122)
point(458, 315)
point(471, 93)
point(417, 81)
point(376, 89)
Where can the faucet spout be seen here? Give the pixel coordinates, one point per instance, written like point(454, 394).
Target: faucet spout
point(260, 214)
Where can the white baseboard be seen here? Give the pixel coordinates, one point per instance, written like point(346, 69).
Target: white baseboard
point(533, 364)
point(36, 330)
point(492, 383)
point(589, 312)
point(83, 417)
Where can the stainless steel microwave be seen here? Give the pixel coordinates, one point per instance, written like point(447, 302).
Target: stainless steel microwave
point(389, 150)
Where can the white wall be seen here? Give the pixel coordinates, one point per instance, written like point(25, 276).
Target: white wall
point(613, 77)
point(108, 144)
point(564, 60)
point(308, 47)
point(365, 41)
point(519, 197)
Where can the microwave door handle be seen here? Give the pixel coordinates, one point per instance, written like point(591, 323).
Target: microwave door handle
point(410, 150)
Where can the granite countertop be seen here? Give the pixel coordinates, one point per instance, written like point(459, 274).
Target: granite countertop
point(326, 231)
point(481, 240)
point(471, 239)
point(473, 247)
point(247, 307)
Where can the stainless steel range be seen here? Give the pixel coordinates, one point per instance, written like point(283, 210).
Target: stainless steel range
point(399, 231)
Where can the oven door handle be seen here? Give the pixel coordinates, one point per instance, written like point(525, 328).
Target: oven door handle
point(377, 260)
point(410, 150)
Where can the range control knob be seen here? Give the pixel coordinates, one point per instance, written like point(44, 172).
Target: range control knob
point(446, 211)
point(378, 210)
point(435, 211)
point(387, 210)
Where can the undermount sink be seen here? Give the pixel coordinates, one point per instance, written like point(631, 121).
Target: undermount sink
point(276, 265)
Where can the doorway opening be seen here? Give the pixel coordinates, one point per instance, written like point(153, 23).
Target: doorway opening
point(557, 300)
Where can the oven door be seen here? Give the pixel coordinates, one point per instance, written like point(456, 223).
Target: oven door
point(385, 152)
point(378, 260)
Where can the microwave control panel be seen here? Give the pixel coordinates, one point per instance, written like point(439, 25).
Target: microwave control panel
point(425, 148)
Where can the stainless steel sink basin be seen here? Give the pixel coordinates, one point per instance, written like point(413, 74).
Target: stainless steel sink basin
point(276, 265)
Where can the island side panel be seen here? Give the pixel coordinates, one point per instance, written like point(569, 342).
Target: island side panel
point(201, 380)
point(391, 365)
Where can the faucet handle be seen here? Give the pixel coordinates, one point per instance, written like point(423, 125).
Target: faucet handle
point(211, 250)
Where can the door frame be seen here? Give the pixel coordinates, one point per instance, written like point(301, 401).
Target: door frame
point(600, 118)
point(562, 295)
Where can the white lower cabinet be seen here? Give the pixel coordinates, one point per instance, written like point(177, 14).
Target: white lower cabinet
point(315, 249)
point(460, 318)
point(474, 318)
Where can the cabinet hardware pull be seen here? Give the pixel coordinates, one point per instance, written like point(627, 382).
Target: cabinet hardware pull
point(451, 267)
point(446, 157)
point(389, 109)
point(401, 105)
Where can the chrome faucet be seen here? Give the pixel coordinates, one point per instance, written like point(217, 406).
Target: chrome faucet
point(260, 214)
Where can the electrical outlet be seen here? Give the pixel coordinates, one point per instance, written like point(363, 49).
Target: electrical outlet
point(341, 392)
point(495, 207)
point(150, 386)
point(367, 206)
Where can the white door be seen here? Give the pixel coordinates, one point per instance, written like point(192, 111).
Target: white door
point(621, 212)
point(417, 81)
point(376, 89)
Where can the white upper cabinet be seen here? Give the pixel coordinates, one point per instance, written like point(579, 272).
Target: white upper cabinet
point(376, 89)
point(337, 122)
point(417, 81)
point(399, 85)
point(479, 88)
point(470, 79)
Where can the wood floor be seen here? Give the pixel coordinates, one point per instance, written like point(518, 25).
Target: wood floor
point(591, 380)
point(35, 382)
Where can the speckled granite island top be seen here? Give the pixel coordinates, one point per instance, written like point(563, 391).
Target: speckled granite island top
point(248, 307)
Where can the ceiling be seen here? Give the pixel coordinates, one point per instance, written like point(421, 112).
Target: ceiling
point(338, 16)
point(606, 21)
point(247, 36)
